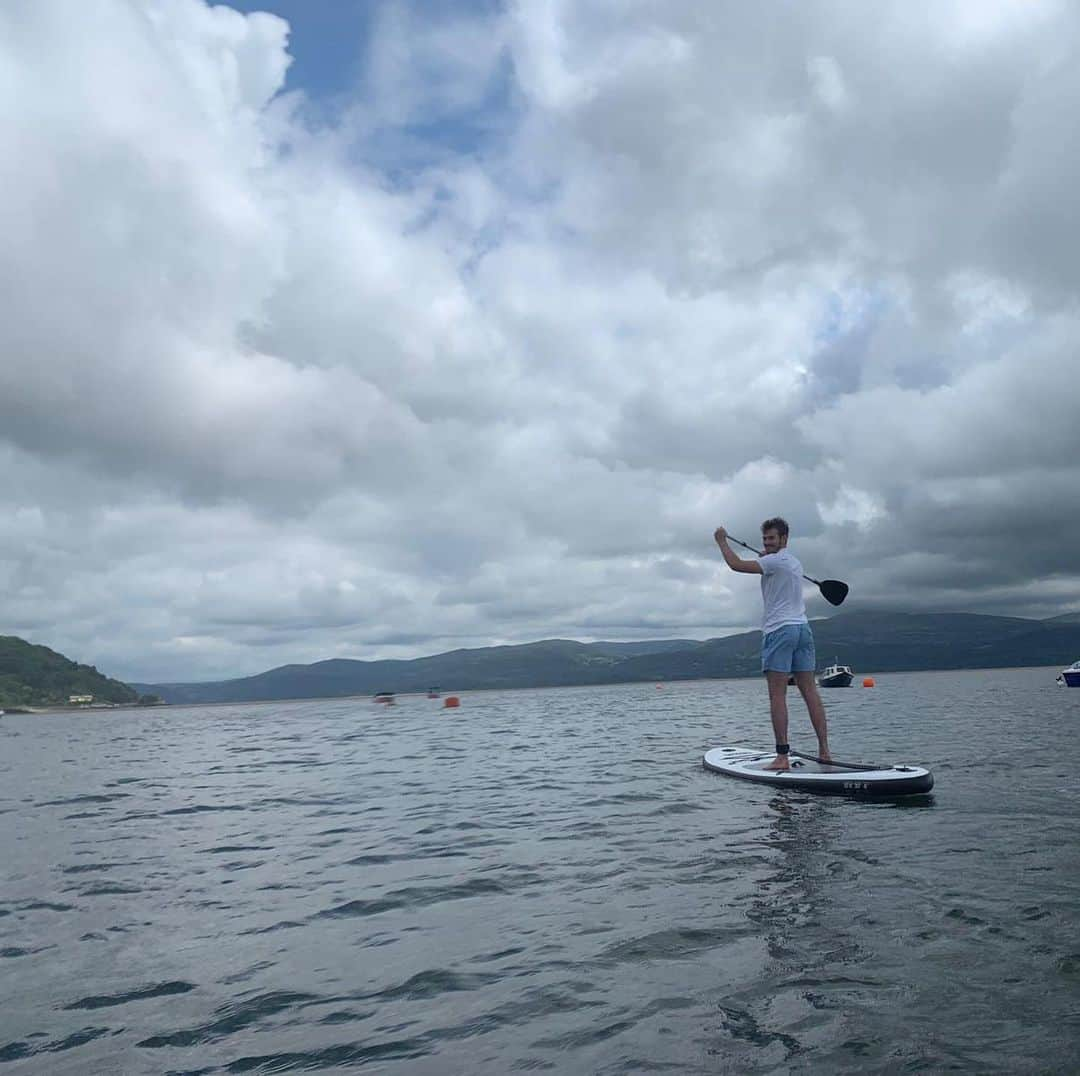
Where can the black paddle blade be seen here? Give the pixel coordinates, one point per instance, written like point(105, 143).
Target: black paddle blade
point(833, 591)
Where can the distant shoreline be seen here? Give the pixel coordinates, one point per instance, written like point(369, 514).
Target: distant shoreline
point(61, 709)
point(422, 695)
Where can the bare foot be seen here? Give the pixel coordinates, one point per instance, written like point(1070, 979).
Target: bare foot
point(779, 763)
point(823, 754)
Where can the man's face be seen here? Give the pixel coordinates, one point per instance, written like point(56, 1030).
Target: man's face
point(771, 541)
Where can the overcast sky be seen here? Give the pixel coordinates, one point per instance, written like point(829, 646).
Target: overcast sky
point(371, 328)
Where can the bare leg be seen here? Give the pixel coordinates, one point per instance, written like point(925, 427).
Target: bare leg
point(816, 708)
point(778, 713)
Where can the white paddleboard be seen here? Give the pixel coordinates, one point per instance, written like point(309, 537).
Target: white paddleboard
point(808, 775)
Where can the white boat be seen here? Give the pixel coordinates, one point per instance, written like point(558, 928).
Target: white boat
point(836, 675)
point(1071, 675)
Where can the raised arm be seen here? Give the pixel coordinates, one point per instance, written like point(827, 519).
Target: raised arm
point(735, 563)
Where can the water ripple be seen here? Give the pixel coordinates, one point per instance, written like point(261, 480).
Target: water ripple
point(542, 881)
point(155, 990)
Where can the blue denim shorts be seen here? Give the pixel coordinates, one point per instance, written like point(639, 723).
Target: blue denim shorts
point(789, 649)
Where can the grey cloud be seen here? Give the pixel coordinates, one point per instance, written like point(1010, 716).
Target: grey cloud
point(274, 393)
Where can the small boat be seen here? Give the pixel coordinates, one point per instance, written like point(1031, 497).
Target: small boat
point(385, 697)
point(1071, 675)
point(836, 675)
point(433, 693)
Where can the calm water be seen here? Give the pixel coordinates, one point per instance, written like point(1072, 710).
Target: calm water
point(541, 880)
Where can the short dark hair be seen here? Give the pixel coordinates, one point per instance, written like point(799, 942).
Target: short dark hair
point(775, 524)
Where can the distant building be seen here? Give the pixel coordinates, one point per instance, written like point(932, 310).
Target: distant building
point(80, 700)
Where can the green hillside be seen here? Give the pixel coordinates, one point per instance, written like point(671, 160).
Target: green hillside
point(871, 642)
point(37, 676)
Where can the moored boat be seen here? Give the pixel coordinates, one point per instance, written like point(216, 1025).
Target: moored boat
point(1071, 675)
point(836, 675)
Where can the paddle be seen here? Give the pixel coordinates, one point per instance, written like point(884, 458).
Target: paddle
point(841, 765)
point(832, 590)
point(827, 762)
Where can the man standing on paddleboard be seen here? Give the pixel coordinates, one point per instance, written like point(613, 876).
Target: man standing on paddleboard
point(787, 643)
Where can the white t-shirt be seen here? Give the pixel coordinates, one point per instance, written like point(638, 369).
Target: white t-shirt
point(781, 590)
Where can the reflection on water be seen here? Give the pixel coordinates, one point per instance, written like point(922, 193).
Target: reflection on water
point(542, 880)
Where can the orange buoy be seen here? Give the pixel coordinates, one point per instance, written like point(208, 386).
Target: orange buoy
point(868, 682)
point(451, 701)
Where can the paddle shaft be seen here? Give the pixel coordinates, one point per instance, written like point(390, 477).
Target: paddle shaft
point(841, 765)
point(831, 761)
point(760, 554)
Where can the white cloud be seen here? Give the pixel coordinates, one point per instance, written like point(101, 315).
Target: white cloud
point(562, 287)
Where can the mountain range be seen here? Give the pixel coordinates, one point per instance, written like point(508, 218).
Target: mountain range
point(870, 642)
